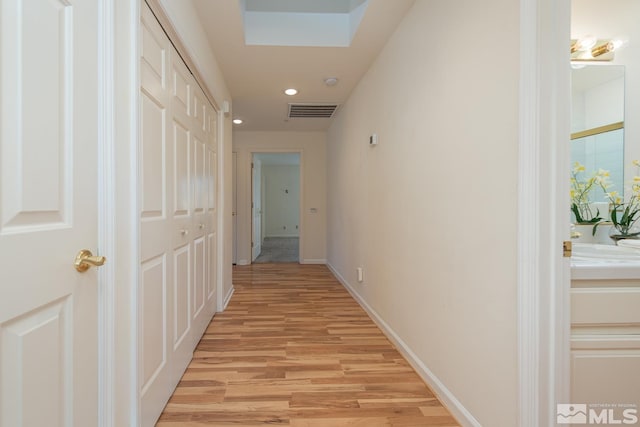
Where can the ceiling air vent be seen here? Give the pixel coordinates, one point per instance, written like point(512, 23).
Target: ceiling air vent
point(323, 111)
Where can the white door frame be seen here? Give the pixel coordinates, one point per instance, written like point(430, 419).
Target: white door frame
point(543, 218)
point(106, 213)
point(118, 379)
point(300, 152)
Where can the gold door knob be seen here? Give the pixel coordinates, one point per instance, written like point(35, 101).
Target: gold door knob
point(85, 260)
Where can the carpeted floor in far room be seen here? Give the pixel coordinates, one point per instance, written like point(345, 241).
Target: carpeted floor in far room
point(278, 250)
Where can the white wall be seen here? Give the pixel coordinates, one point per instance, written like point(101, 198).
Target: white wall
point(313, 187)
point(620, 18)
point(184, 19)
point(281, 208)
point(430, 213)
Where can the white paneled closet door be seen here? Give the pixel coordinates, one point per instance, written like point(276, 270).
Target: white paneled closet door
point(204, 213)
point(178, 234)
point(211, 173)
point(160, 141)
point(198, 150)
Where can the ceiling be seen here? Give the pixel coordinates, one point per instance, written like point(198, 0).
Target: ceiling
point(257, 75)
point(586, 78)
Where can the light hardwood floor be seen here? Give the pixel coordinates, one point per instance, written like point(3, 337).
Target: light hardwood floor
point(294, 348)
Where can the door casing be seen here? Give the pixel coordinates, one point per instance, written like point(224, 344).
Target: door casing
point(300, 152)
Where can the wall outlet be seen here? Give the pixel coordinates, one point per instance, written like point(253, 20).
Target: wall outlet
point(360, 273)
point(373, 139)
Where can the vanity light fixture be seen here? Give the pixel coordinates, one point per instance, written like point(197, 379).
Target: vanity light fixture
point(237, 121)
point(291, 91)
point(590, 48)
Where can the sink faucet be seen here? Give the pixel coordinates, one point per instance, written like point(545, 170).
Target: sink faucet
point(574, 233)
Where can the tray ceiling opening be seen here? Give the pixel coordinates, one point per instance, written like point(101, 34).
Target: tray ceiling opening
point(330, 23)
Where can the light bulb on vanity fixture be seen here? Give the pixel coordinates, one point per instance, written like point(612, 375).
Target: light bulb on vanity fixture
point(583, 44)
point(610, 46)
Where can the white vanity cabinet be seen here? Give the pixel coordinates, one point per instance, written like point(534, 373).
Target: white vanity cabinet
point(605, 341)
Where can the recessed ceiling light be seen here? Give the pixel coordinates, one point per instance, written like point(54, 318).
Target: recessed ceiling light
point(237, 121)
point(291, 91)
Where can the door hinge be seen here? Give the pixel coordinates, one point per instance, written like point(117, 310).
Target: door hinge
point(251, 244)
point(251, 165)
point(566, 249)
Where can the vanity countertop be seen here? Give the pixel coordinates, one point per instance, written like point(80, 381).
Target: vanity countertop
point(601, 262)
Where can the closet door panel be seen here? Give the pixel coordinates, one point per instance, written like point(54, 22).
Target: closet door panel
point(154, 373)
point(212, 269)
point(152, 295)
point(181, 348)
point(153, 58)
point(181, 294)
point(181, 88)
point(152, 157)
point(199, 184)
point(153, 177)
point(212, 171)
point(201, 316)
point(181, 169)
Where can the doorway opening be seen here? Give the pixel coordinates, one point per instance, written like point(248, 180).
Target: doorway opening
point(275, 208)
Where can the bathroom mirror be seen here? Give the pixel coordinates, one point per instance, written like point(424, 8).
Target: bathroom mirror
point(597, 122)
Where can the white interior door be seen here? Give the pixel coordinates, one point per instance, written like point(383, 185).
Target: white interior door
point(256, 203)
point(234, 173)
point(48, 212)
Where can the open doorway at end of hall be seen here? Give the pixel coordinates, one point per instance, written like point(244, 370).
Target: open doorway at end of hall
point(275, 207)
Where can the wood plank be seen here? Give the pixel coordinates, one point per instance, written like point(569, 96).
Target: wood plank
point(294, 348)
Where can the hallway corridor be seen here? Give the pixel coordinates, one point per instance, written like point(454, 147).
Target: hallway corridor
point(294, 348)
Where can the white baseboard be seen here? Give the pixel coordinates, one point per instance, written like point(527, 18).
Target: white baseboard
point(243, 262)
point(313, 261)
point(227, 298)
point(462, 415)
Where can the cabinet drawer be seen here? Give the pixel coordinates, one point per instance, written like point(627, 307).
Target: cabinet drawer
point(605, 306)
